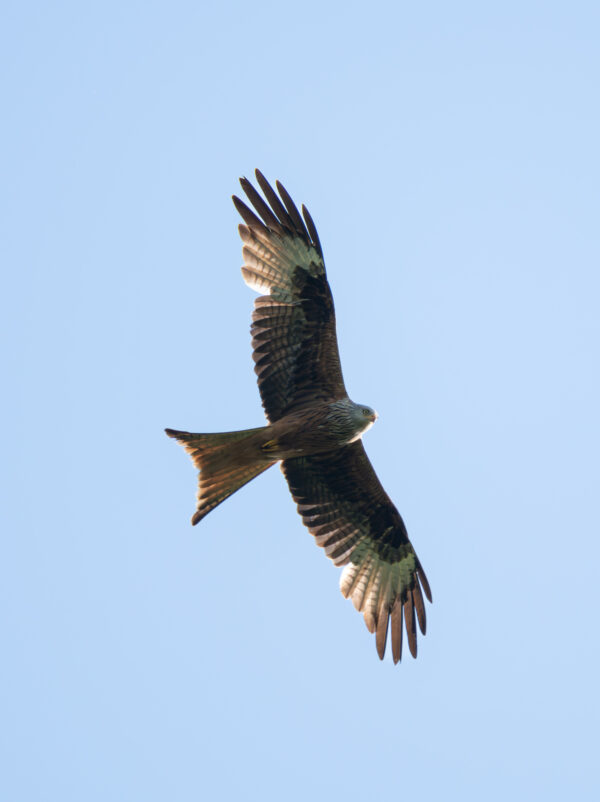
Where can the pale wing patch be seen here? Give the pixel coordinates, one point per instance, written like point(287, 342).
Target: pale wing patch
point(380, 590)
point(270, 261)
point(354, 579)
point(256, 281)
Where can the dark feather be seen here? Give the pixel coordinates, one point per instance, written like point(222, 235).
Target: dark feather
point(424, 583)
point(312, 230)
point(409, 617)
point(420, 607)
point(381, 635)
point(274, 202)
point(397, 620)
point(261, 207)
point(247, 214)
point(292, 209)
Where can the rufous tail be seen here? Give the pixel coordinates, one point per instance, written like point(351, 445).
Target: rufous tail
point(226, 461)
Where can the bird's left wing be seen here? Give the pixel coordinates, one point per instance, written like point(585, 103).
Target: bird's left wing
point(345, 507)
point(293, 324)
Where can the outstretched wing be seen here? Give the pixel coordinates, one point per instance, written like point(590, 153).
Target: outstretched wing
point(293, 323)
point(344, 506)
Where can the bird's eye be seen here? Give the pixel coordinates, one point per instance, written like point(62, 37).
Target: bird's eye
point(366, 411)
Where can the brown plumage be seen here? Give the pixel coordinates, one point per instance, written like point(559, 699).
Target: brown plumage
point(314, 429)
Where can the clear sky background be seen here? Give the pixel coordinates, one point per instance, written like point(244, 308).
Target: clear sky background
point(448, 153)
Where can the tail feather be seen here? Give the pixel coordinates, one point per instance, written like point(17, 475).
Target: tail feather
point(226, 461)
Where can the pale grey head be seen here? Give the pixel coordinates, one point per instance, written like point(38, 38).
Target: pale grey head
point(349, 421)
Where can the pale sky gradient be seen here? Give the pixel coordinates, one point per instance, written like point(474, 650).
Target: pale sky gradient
point(448, 153)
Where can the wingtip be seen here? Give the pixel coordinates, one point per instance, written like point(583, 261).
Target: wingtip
point(424, 583)
point(381, 633)
point(409, 620)
point(247, 215)
point(397, 624)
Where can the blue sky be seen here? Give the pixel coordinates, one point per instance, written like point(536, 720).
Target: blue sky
point(448, 153)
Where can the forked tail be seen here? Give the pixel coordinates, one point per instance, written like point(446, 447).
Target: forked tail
point(226, 461)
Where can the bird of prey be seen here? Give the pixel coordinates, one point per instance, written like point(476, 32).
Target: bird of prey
point(314, 428)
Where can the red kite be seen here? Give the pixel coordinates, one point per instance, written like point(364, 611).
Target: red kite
point(314, 429)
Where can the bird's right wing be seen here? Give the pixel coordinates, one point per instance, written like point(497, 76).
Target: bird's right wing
point(344, 506)
point(293, 324)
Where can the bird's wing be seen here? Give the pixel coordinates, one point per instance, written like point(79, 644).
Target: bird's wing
point(293, 323)
point(344, 506)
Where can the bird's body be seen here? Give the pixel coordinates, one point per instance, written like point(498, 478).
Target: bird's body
point(327, 427)
point(320, 429)
point(314, 428)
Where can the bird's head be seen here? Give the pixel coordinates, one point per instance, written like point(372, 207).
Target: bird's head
point(350, 421)
point(368, 413)
point(363, 418)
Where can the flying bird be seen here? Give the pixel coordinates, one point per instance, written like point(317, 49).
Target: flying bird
point(315, 431)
